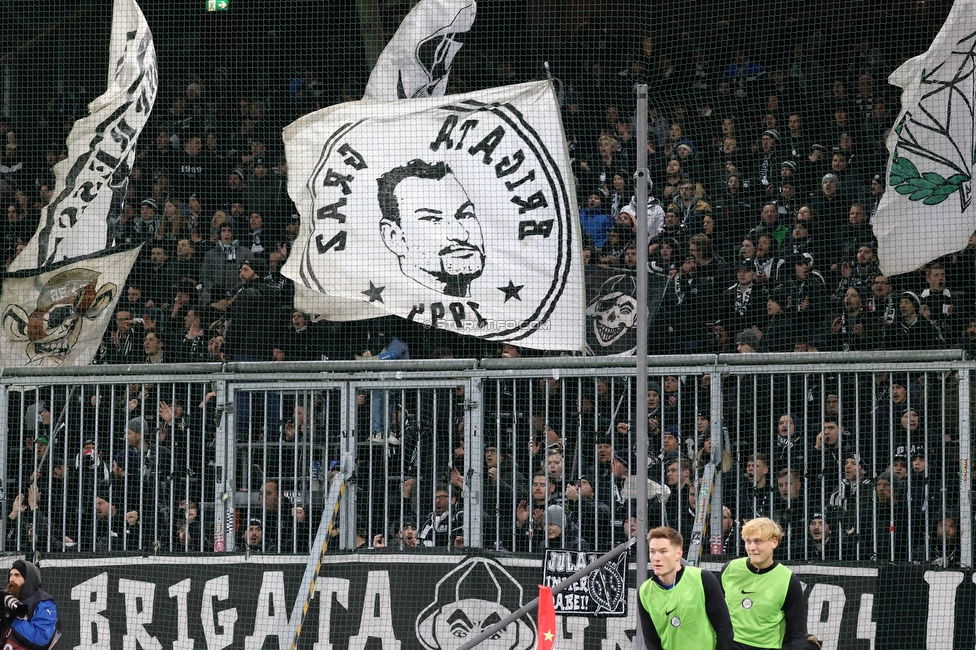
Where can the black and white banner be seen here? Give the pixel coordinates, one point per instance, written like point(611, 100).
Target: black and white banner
point(92, 180)
point(417, 60)
point(56, 316)
point(457, 213)
point(602, 593)
point(428, 600)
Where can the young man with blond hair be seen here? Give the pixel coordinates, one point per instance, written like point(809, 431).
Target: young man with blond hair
point(765, 599)
point(681, 606)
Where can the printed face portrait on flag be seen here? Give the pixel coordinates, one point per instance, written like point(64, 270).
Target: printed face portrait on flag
point(430, 224)
point(458, 214)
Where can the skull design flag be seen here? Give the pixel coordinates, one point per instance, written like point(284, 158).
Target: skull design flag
point(56, 315)
point(453, 212)
point(60, 291)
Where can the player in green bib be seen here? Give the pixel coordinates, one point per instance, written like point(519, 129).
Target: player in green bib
point(765, 600)
point(681, 607)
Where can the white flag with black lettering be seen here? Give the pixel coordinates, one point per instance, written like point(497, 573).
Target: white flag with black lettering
point(459, 213)
point(927, 210)
point(417, 60)
point(55, 316)
point(101, 148)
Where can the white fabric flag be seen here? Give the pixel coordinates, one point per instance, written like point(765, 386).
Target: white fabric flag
point(56, 316)
point(417, 60)
point(459, 213)
point(927, 209)
point(101, 149)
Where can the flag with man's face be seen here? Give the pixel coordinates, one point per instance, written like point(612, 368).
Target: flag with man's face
point(457, 213)
point(927, 209)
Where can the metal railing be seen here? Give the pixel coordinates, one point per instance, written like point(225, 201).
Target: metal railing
point(517, 455)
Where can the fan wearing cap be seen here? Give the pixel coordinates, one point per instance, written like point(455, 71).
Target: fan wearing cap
point(744, 303)
point(593, 512)
point(927, 485)
point(830, 205)
point(30, 616)
point(877, 191)
point(219, 270)
point(735, 206)
point(852, 503)
point(787, 201)
point(144, 228)
point(912, 331)
point(625, 490)
point(806, 294)
point(255, 536)
point(891, 533)
point(262, 190)
point(822, 542)
point(766, 171)
point(747, 341)
point(247, 336)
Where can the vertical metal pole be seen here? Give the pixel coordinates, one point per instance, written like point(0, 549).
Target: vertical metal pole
point(347, 430)
point(474, 463)
point(718, 441)
point(642, 455)
point(965, 471)
point(225, 449)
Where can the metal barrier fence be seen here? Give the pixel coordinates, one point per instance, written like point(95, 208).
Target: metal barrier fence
point(859, 458)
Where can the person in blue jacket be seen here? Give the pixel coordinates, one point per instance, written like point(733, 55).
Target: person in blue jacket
point(30, 617)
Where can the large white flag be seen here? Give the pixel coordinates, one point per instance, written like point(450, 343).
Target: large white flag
point(55, 316)
point(458, 213)
point(101, 149)
point(927, 209)
point(417, 60)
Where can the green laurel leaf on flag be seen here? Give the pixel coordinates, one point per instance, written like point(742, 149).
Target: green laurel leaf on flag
point(930, 188)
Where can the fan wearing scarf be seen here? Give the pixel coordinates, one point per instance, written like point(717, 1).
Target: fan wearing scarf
point(30, 617)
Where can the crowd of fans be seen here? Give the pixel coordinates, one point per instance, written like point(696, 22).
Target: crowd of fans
point(765, 181)
point(854, 468)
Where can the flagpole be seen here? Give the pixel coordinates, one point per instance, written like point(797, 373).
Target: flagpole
point(641, 191)
point(562, 586)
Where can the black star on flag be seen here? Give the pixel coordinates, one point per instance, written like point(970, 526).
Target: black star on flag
point(374, 292)
point(512, 291)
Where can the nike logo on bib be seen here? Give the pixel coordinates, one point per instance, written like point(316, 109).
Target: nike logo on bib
point(747, 592)
point(669, 613)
